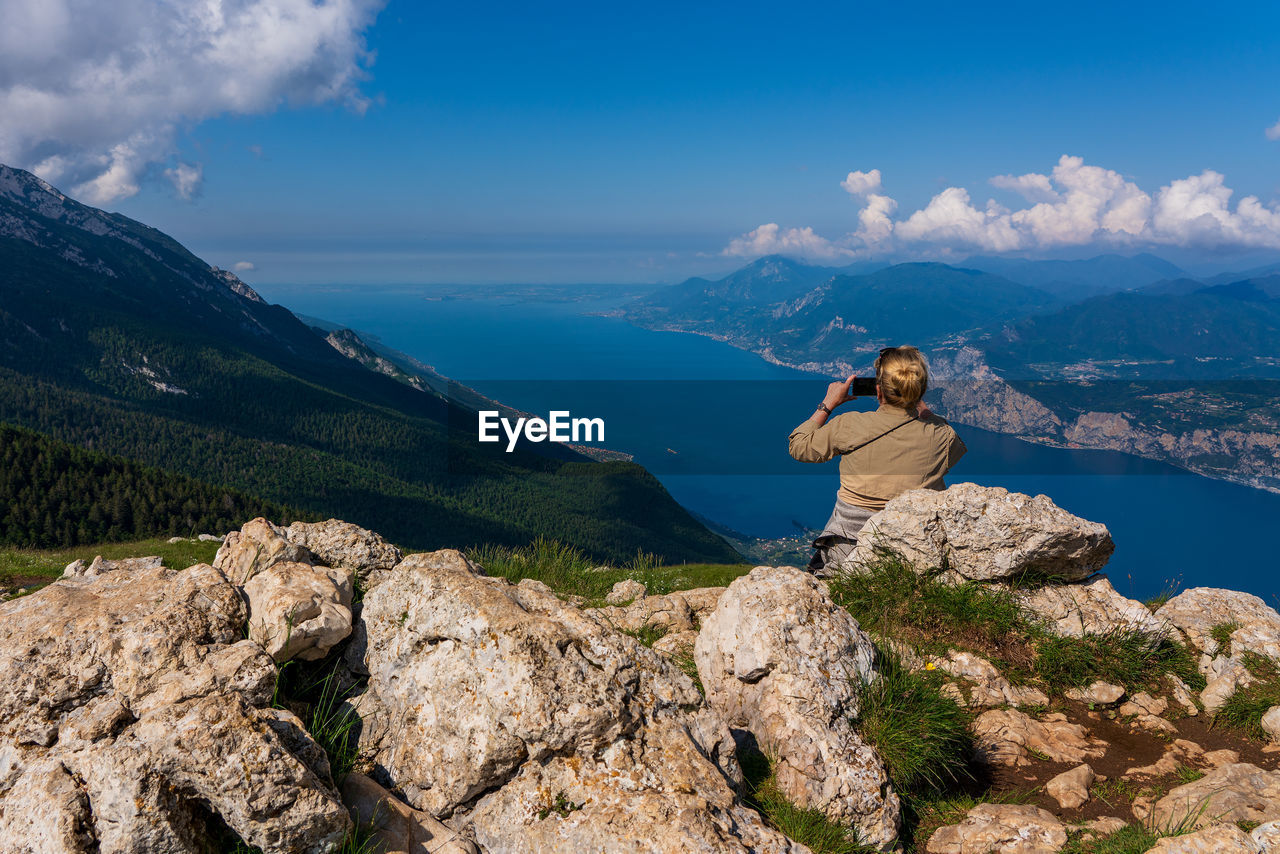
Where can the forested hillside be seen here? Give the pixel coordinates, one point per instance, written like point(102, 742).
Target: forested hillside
point(116, 338)
point(60, 495)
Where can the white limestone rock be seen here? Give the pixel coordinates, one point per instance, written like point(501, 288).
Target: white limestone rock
point(1009, 737)
point(398, 827)
point(1098, 694)
point(1231, 793)
point(778, 658)
point(494, 704)
point(1001, 829)
point(1091, 607)
point(299, 611)
point(139, 687)
point(1198, 610)
point(986, 534)
point(343, 545)
point(1071, 788)
point(1218, 839)
point(256, 546)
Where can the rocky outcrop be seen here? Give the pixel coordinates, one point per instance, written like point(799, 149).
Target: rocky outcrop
point(778, 658)
point(1232, 793)
point(1001, 829)
point(256, 546)
point(537, 727)
point(299, 611)
point(1090, 607)
point(1253, 626)
point(342, 545)
point(131, 708)
point(986, 534)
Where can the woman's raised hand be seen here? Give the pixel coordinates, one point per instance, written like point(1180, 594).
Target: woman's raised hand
point(838, 393)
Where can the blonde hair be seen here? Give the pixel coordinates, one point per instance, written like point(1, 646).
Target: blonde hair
point(903, 376)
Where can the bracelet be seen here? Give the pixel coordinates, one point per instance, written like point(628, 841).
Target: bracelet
point(823, 407)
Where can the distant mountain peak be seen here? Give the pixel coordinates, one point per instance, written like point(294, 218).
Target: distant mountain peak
point(32, 210)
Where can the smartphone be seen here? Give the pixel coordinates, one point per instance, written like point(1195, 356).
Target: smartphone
point(863, 387)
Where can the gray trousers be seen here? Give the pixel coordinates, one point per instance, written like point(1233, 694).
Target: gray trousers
point(839, 536)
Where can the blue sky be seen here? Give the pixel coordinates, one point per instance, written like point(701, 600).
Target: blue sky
point(600, 142)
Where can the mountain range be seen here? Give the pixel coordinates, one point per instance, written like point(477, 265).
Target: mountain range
point(1129, 354)
point(115, 338)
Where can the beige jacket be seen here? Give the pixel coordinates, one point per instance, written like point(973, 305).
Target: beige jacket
point(914, 456)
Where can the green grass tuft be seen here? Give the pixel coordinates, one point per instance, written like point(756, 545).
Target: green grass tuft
point(329, 717)
point(569, 572)
point(1244, 709)
point(1221, 633)
point(1126, 657)
point(1132, 839)
point(47, 564)
point(921, 734)
point(809, 827)
point(889, 597)
point(648, 634)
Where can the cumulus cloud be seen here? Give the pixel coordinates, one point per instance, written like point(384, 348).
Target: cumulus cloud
point(95, 94)
point(862, 183)
point(1273, 132)
point(243, 267)
point(1076, 204)
point(1032, 187)
point(770, 239)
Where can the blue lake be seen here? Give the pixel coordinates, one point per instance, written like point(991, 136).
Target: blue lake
point(711, 422)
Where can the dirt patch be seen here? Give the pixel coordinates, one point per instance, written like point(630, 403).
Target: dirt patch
point(1128, 747)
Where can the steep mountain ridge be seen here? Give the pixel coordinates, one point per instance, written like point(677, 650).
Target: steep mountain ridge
point(118, 339)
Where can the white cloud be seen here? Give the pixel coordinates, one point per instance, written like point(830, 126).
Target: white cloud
point(243, 267)
point(770, 239)
point(862, 183)
point(1074, 205)
point(1195, 211)
point(186, 179)
point(1032, 187)
point(93, 94)
point(1273, 132)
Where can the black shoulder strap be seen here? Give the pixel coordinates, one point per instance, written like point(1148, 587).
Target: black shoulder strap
point(882, 435)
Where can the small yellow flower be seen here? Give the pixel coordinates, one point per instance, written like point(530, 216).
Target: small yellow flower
point(931, 666)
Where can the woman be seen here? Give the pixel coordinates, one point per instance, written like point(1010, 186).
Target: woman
point(899, 446)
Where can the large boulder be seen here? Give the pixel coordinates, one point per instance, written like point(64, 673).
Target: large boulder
point(256, 546)
point(986, 534)
point(136, 686)
point(1231, 793)
point(299, 611)
point(778, 658)
point(537, 727)
point(343, 545)
point(1254, 625)
point(1001, 829)
point(1090, 607)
